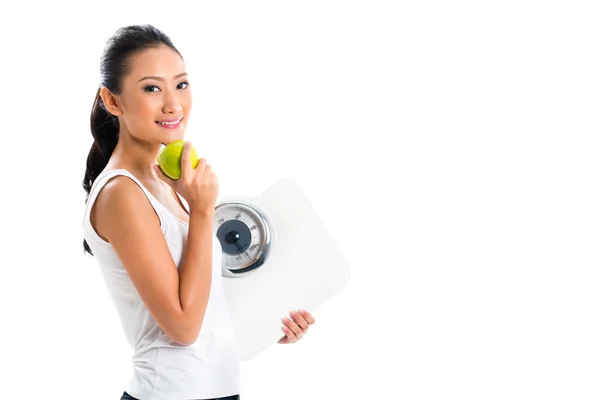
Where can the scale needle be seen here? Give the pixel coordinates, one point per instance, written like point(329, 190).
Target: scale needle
point(242, 249)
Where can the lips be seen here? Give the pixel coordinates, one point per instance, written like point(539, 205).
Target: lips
point(171, 123)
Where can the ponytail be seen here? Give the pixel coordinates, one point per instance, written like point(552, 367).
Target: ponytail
point(105, 130)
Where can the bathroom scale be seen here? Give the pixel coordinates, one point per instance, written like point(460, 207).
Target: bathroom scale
point(277, 256)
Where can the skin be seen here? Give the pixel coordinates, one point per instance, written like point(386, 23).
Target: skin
point(141, 103)
point(296, 327)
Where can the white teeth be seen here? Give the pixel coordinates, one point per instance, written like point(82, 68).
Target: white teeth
point(171, 123)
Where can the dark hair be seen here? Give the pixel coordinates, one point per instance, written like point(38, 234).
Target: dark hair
point(115, 63)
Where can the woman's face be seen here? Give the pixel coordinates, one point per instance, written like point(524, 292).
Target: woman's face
point(155, 90)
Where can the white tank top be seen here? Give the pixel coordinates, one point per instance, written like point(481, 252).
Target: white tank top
point(162, 368)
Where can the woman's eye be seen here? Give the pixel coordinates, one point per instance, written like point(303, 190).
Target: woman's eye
point(150, 87)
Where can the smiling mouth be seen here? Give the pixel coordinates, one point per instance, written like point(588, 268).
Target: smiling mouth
point(171, 125)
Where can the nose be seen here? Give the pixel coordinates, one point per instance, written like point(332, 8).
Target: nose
point(172, 105)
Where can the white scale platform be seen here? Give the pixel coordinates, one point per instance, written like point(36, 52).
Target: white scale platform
point(302, 266)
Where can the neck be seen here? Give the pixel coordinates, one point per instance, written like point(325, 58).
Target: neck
point(136, 156)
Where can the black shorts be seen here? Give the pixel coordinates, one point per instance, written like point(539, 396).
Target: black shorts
point(127, 396)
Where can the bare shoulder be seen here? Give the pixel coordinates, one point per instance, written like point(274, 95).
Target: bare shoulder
point(124, 216)
point(119, 200)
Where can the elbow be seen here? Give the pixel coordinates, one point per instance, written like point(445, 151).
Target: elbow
point(186, 333)
point(187, 337)
point(184, 342)
point(187, 340)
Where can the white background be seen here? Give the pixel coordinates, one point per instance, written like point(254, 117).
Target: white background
point(450, 148)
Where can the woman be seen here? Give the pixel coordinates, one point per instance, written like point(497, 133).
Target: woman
point(161, 262)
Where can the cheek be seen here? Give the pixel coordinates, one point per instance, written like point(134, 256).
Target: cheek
point(186, 99)
point(144, 110)
point(186, 106)
point(148, 105)
point(140, 114)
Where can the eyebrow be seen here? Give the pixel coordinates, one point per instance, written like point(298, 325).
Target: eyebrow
point(158, 78)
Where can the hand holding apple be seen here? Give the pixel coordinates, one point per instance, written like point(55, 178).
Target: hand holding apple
point(169, 159)
point(193, 178)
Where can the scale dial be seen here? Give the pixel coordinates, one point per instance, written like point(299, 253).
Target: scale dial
point(245, 236)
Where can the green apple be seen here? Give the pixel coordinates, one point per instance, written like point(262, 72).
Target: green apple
point(169, 159)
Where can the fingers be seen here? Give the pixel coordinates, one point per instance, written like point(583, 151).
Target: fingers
point(289, 335)
point(283, 340)
point(202, 165)
point(300, 320)
point(186, 165)
point(296, 328)
point(308, 317)
point(291, 329)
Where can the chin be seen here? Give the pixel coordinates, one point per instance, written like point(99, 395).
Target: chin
point(177, 134)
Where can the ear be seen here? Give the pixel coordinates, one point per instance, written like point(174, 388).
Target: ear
point(110, 101)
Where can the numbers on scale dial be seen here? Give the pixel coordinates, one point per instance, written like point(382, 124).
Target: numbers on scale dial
point(255, 230)
point(245, 237)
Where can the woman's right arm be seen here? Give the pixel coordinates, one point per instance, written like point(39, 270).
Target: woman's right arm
point(176, 299)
